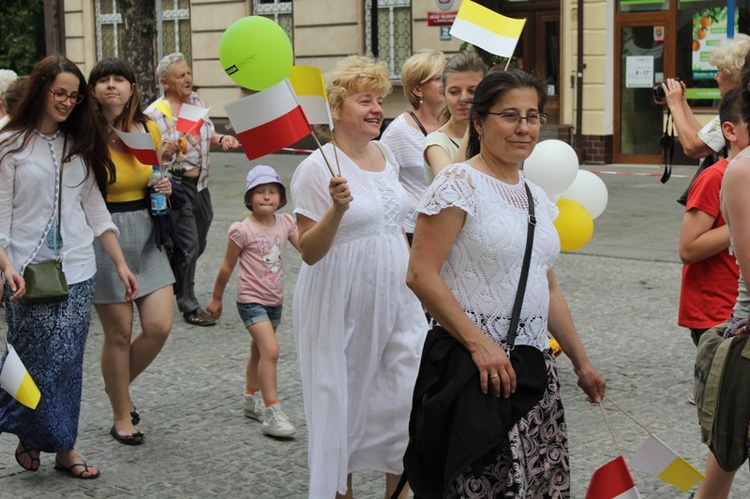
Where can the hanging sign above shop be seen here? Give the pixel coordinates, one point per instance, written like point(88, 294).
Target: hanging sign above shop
point(440, 18)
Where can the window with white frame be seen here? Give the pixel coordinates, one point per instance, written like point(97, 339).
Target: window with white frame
point(175, 28)
point(394, 33)
point(279, 11)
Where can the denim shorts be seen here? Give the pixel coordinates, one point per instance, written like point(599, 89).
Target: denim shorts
point(253, 313)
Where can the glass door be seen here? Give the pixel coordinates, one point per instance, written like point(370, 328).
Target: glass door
point(639, 120)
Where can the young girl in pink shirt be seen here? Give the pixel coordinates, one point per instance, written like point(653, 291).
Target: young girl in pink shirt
point(258, 243)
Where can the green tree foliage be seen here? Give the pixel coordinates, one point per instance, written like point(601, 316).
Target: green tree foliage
point(22, 40)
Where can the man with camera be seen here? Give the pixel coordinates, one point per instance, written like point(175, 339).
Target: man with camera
point(705, 141)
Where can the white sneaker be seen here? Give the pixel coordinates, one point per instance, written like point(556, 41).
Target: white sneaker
point(254, 406)
point(276, 424)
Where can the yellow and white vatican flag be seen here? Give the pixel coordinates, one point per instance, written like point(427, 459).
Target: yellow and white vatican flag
point(16, 380)
point(485, 28)
point(308, 84)
point(657, 459)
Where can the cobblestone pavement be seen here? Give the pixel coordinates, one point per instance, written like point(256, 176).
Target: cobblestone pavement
point(622, 288)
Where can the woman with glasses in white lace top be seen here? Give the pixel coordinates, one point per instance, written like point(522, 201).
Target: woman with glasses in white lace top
point(465, 264)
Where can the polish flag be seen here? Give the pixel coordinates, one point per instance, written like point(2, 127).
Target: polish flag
point(16, 380)
point(141, 146)
point(269, 120)
point(613, 481)
point(191, 118)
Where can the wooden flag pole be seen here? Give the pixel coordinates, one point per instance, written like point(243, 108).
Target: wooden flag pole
point(320, 148)
point(611, 433)
point(507, 63)
point(632, 418)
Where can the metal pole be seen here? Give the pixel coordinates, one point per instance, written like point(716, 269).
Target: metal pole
point(374, 27)
point(579, 87)
point(159, 32)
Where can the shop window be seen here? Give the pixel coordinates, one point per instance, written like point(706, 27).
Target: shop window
point(175, 27)
point(279, 11)
point(700, 26)
point(394, 33)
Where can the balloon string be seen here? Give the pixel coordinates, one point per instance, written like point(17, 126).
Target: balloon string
point(628, 415)
point(320, 148)
point(611, 433)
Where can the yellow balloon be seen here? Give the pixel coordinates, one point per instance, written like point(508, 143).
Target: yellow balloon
point(574, 225)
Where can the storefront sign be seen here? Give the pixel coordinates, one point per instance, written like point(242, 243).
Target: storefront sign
point(441, 18)
point(639, 71)
point(709, 29)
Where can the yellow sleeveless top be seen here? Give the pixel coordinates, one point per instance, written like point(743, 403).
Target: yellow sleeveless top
point(131, 182)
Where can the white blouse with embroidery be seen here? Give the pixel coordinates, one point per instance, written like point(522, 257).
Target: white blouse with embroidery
point(484, 265)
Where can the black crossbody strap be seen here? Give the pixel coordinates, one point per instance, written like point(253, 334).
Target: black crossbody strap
point(513, 329)
point(419, 123)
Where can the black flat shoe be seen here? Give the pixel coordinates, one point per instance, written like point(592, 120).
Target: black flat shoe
point(136, 438)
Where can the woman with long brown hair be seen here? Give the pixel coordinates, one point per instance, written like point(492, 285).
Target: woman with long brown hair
point(114, 88)
point(53, 153)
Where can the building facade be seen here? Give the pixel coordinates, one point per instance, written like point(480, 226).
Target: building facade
point(600, 101)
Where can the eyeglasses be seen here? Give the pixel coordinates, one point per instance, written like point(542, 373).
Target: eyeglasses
point(61, 96)
point(514, 118)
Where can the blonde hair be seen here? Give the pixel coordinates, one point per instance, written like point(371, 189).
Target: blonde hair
point(729, 55)
point(421, 67)
point(7, 76)
point(353, 74)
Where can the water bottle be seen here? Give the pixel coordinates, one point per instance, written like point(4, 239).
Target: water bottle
point(158, 199)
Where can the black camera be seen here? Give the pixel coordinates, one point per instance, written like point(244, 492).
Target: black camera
point(659, 95)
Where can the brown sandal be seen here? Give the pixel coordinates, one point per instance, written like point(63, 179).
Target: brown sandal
point(23, 450)
point(69, 469)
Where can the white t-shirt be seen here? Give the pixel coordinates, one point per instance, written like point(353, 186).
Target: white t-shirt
point(406, 142)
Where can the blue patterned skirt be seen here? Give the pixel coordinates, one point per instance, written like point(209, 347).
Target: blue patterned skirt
point(50, 340)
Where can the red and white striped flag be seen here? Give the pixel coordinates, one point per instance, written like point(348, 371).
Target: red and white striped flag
point(191, 118)
point(613, 481)
point(269, 120)
point(141, 146)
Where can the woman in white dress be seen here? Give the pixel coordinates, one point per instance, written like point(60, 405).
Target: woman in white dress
point(359, 329)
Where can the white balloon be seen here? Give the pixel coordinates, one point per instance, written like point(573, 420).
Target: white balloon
point(590, 191)
point(552, 166)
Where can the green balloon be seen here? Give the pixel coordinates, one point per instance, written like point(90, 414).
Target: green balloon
point(256, 52)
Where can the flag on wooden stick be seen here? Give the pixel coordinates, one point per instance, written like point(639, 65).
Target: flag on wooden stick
point(487, 29)
point(16, 380)
point(269, 120)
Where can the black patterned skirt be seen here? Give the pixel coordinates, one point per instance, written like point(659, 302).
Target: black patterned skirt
point(534, 463)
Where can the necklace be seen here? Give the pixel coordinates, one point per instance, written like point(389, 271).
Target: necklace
point(494, 174)
point(487, 165)
point(336, 157)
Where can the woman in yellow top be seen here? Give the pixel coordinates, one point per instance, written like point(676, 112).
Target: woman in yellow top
point(114, 87)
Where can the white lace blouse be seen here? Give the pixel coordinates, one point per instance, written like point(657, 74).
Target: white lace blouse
point(484, 265)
